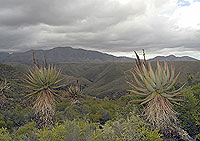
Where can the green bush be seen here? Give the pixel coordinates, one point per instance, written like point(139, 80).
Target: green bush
point(9, 124)
point(19, 115)
point(69, 131)
point(150, 135)
point(196, 91)
point(189, 112)
point(5, 135)
point(3, 124)
point(26, 132)
point(132, 128)
point(94, 110)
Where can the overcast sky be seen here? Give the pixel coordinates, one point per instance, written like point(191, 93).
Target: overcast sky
point(118, 27)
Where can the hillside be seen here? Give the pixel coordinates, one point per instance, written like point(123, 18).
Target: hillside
point(10, 73)
point(108, 79)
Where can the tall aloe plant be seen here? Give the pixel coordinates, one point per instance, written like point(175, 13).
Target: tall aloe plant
point(74, 93)
point(155, 89)
point(42, 83)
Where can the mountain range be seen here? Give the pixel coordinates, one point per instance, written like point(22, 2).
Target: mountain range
point(72, 55)
point(173, 58)
point(62, 54)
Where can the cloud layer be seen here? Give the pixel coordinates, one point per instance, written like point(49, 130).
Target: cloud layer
point(113, 26)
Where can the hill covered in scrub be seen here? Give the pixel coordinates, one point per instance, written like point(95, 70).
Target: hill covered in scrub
point(109, 79)
point(9, 72)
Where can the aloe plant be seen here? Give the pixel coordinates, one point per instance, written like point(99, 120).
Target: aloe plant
point(74, 94)
point(42, 83)
point(155, 89)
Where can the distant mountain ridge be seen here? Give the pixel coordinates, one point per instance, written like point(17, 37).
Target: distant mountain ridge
point(62, 54)
point(173, 58)
point(72, 55)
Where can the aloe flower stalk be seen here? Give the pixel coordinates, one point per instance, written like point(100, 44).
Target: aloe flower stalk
point(155, 89)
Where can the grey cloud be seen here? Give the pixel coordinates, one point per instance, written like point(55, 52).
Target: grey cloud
point(61, 12)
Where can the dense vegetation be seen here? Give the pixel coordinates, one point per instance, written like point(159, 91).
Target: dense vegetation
point(109, 118)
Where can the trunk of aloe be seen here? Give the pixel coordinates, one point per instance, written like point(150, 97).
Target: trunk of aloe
point(44, 112)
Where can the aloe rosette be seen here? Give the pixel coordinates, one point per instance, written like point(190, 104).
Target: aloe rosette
point(42, 83)
point(74, 93)
point(155, 87)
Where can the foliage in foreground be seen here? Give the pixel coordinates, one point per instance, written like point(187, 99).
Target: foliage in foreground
point(131, 128)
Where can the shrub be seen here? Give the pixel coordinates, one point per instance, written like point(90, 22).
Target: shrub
point(189, 112)
point(69, 131)
point(5, 135)
point(26, 132)
point(131, 128)
point(3, 124)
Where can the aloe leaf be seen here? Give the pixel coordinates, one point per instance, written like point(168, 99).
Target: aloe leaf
point(171, 85)
point(176, 94)
point(139, 74)
point(151, 72)
point(172, 74)
point(137, 88)
point(148, 86)
point(177, 89)
point(150, 98)
point(31, 94)
point(158, 82)
point(176, 103)
point(146, 74)
point(138, 93)
point(175, 99)
point(137, 81)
